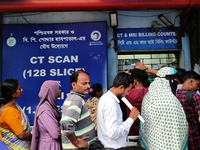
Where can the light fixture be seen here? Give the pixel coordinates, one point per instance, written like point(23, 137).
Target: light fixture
point(165, 21)
point(172, 27)
point(113, 19)
point(114, 24)
point(155, 27)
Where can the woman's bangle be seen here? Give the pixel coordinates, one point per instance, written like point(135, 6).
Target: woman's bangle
point(75, 144)
point(146, 68)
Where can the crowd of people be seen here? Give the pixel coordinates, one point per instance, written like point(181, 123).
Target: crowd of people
point(170, 106)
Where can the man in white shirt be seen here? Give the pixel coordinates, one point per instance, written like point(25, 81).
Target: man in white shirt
point(111, 129)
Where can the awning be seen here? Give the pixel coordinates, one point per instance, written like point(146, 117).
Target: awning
point(7, 6)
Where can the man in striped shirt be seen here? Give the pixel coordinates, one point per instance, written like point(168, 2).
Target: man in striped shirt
point(77, 129)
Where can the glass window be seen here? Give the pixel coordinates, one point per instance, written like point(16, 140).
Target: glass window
point(141, 56)
point(153, 61)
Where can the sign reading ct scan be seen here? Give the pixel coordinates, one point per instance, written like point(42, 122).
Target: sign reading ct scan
point(35, 53)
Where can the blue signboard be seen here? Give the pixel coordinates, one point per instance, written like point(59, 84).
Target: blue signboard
point(35, 53)
point(145, 39)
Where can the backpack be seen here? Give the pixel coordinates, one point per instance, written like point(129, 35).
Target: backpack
point(190, 101)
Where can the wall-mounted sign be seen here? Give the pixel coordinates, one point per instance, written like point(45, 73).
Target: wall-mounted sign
point(145, 39)
point(35, 53)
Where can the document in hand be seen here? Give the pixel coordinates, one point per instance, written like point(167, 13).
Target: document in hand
point(128, 104)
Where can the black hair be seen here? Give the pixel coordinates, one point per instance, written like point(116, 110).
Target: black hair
point(74, 76)
point(191, 75)
point(132, 148)
point(122, 78)
point(95, 88)
point(96, 145)
point(172, 82)
point(180, 73)
point(8, 87)
point(140, 76)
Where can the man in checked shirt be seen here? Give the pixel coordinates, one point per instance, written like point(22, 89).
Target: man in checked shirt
point(191, 81)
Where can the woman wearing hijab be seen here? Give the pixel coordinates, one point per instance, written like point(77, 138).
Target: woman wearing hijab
point(165, 126)
point(46, 130)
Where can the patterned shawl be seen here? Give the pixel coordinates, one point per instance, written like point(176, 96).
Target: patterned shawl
point(11, 140)
point(165, 126)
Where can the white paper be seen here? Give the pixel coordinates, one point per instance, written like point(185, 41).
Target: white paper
point(128, 104)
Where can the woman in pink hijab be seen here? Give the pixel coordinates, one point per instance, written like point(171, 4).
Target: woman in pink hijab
point(46, 130)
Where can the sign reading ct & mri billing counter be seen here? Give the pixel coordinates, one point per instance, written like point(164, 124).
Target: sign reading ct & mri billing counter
point(33, 54)
point(145, 39)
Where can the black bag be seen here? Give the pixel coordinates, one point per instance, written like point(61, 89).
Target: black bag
point(190, 101)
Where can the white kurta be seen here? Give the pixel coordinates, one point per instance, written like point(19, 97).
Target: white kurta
point(111, 129)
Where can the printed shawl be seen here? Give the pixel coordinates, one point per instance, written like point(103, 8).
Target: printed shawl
point(165, 124)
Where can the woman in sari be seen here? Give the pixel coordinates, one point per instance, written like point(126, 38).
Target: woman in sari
point(46, 130)
point(96, 91)
point(165, 126)
point(14, 124)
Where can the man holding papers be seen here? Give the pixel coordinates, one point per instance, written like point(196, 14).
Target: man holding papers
point(111, 129)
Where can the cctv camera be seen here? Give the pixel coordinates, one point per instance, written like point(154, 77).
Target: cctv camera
point(155, 27)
